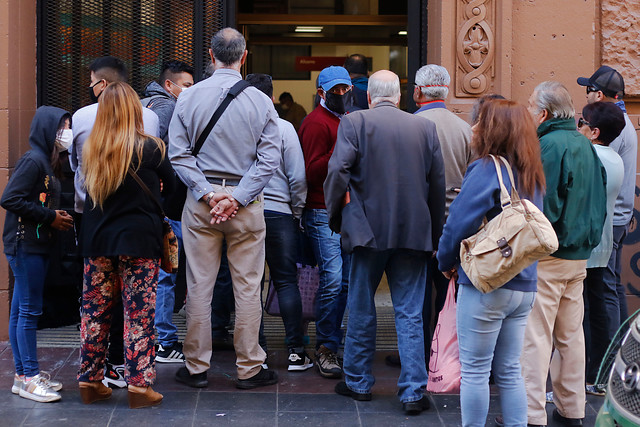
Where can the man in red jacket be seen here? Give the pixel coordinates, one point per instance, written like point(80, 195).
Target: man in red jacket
point(318, 135)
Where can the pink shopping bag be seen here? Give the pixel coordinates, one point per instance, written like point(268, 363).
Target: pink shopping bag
point(444, 363)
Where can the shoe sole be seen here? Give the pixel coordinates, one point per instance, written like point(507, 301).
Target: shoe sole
point(250, 385)
point(41, 399)
point(300, 367)
point(168, 360)
point(191, 383)
point(326, 374)
point(16, 390)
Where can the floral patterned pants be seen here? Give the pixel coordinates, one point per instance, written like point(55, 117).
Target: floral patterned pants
point(135, 280)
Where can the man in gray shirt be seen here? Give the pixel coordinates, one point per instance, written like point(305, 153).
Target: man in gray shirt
point(236, 161)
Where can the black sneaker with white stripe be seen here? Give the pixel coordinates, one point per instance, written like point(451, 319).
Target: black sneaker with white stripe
point(171, 354)
point(299, 361)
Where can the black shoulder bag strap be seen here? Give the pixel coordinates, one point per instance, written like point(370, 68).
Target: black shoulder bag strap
point(146, 190)
point(233, 92)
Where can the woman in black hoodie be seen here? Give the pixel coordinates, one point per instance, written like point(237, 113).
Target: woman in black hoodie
point(31, 198)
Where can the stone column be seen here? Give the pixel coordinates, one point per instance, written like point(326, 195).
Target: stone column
point(17, 106)
point(473, 40)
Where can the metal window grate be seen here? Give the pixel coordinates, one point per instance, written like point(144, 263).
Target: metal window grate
point(143, 33)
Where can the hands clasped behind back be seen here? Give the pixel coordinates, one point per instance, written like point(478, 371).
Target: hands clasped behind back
point(223, 207)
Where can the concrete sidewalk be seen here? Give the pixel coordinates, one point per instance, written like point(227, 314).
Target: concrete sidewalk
point(299, 399)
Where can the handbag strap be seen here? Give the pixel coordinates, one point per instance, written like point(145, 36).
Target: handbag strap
point(146, 189)
point(505, 197)
point(233, 92)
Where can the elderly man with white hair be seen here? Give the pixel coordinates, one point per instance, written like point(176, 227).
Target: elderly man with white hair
point(385, 194)
point(430, 91)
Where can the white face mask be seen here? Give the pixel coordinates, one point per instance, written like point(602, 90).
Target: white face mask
point(65, 139)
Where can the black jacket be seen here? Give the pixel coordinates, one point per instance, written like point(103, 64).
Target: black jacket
point(130, 222)
point(33, 192)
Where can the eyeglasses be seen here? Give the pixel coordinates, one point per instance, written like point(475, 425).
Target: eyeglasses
point(583, 122)
point(591, 89)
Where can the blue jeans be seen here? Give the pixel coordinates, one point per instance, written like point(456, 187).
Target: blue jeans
point(334, 264)
point(281, 244)
point(166, 298)
point(491, 331)
point(29, 271)
point(614, 294)
point(407, 274)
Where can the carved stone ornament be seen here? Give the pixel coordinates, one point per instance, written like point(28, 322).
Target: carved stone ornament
point(475, 47)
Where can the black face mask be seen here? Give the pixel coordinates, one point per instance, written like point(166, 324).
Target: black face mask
point(92, 95)
point(335, 102)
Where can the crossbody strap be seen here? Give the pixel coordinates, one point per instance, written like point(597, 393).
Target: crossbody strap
point(146, 189)
point(233, 92)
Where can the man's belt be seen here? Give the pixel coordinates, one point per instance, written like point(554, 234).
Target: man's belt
point(224, 181)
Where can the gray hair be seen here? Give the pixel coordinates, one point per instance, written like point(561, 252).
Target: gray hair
point(436, 76)
point(384, 90)
point(555, 99)
point(228, 46)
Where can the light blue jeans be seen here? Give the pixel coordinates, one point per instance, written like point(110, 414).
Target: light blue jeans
point(407, 274)
point(166, 298)
point(491, 331)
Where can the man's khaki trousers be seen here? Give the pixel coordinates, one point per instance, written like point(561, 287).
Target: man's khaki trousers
point(556, 320)
point(245, 250)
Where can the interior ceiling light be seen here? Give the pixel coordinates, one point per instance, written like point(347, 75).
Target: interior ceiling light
point(308, 29)
point(402, 33)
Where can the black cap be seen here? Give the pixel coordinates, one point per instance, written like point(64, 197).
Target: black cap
point(606, 79)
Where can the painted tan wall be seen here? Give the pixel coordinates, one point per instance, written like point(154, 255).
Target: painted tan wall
point(17, 105)
point(538, 40)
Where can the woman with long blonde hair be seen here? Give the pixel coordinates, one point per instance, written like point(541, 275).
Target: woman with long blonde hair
point(121, 242)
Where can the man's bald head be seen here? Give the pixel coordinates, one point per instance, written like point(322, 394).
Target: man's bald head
point(384, 85)
point(227, 47)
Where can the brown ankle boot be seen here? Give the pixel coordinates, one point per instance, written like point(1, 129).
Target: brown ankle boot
point(93, 391)
point(141, 397)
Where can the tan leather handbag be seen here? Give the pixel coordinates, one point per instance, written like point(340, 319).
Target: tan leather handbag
point(513, 240)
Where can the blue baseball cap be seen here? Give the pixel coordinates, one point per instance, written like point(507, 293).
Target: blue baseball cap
point(333, 75)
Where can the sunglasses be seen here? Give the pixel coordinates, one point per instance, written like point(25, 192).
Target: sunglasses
point(591, 89)
point(583, 122)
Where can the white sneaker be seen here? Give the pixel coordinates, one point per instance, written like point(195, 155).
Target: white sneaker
point(55, 385)
point(37, 388)
point(114, 376)
point(549, 397)
point(17, 383)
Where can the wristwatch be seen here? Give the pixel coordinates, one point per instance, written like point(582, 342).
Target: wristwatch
point(207, 197)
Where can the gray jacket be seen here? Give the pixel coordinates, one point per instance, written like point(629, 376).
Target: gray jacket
point(392, 165)
point(626, 145)
point(287, 190)
point(245, 143)
point(162, 103)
